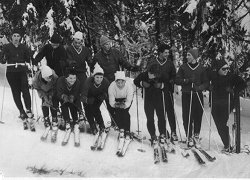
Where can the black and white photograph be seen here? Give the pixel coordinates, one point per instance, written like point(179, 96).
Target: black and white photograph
point(124, 89)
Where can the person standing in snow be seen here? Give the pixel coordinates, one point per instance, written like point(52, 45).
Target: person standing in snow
point(121, 94)
point(223, 85)
point(193, 79)
point(55, 55)
point(68, 92)
point(167, 74)
point(153, 99)
point(94, 92)
point(111, 60)
point(17, 55)
point(45, 83)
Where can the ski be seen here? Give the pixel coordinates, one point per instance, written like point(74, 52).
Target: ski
point(198, 158)
point(2, 122)
point(210, 158)
point(25, 124)
point(103, 137)
point(45, 134)
point(156, 152)
point(54, 131)
point(163, 150)
point(121, 142)
point(66, 136)
point(77, 135)
point(97, 138)
point(138, 137)
point(169, 146)
point(125, 146)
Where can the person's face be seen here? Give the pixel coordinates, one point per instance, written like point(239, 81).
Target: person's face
point(164, 54)
point(151, 76)
point(71, 79)
point(54, 45)
point(98, 79)
point(16, 38)
point(223, 70)
point(77, 42)
point(48, 79)
point(120, 83)
point(190, 58)
point(106, 46)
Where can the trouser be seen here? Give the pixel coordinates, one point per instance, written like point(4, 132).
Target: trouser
point(93, 114)
point(111, 111)
point(220, 114)
point(196, 113)
point(81, 76)
point(122, 117)
point(151, 105)
point(169, 107)
point(19, 85)
point(53, 110)
point(66, 107)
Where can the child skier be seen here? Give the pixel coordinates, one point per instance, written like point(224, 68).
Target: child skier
point(193, 79)
point(94, 91)
point(68, 92)
point(45, 83)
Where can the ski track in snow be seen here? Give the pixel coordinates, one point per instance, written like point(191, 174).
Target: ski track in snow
point(20, 149)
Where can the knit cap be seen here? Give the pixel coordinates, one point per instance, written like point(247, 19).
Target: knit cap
point(78, 35)
point(194, 52)
point(46, 71)
point(120, 75)
point(104, 40)
point(219, 64)
point(98, 70)
point(17, 31)
point(56, 39)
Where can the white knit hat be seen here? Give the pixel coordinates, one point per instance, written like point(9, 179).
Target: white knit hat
point(46, 71)
point(78, 35)
point(98, 69)
point(120, 75)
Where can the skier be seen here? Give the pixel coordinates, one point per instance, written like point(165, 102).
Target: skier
point(193, 79)
point(223, 84)
point(153, 99)
point(45, 83)
point(94, 91)
point(120, 98)
point(110, 60)
point(55, 55)
point(17, 56)
point(68, 92)
point(167, 75)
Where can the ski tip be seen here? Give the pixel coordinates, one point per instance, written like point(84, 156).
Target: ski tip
point(92, 148)
point(77, 144)
point(43, 139)
point(64, 143)
point(141, 150)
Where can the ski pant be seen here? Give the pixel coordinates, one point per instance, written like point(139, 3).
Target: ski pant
point(220, 114)
point(111, 111)
point(196, 112)
point(149, 107)
point(93, 114)
point(169, 108)
point(122, 117)
point(53, 110)
point(19, 85)
point(66, 107)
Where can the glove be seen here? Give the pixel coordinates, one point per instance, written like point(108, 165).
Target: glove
point(189, 80)
point(65, 98)
point(122, 105)
point(71, 98)
point(135, 68)
point(102, 97)
point(229, 89)
point(145, 84)
point(90, 100)
point(159, 85)
point(47, 101)
point(117, 105)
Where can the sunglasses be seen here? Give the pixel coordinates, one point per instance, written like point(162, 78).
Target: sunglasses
point(225, 68)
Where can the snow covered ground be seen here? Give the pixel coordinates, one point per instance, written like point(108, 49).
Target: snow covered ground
point(22, 154)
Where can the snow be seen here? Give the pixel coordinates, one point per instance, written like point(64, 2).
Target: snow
point(191, 6)
point(49, 22)
point(22, 150)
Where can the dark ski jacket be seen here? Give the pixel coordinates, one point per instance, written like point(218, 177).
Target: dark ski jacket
point(78, 58)
point(56, 58)
point(13, 55)
point(110, 63)
point(187, 75)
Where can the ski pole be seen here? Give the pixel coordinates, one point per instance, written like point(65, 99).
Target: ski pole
point(189, 117)
point(171, 97)
point(112, 119)
point(206, 117)
point(5, 70)
point(137, 112)
point(210, 121)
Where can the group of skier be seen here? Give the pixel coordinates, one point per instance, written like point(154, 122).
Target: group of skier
point(65, 81)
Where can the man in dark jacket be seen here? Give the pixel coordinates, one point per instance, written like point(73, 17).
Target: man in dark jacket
point(110, 60)
point(16, 56)
point(55, 55)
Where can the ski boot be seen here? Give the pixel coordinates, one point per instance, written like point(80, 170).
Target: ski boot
point(54, 130)
point(190, 143)
point(31, 120)
point(23, 116)
point(174, 136)
point(197, 142)
point(227, 150)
